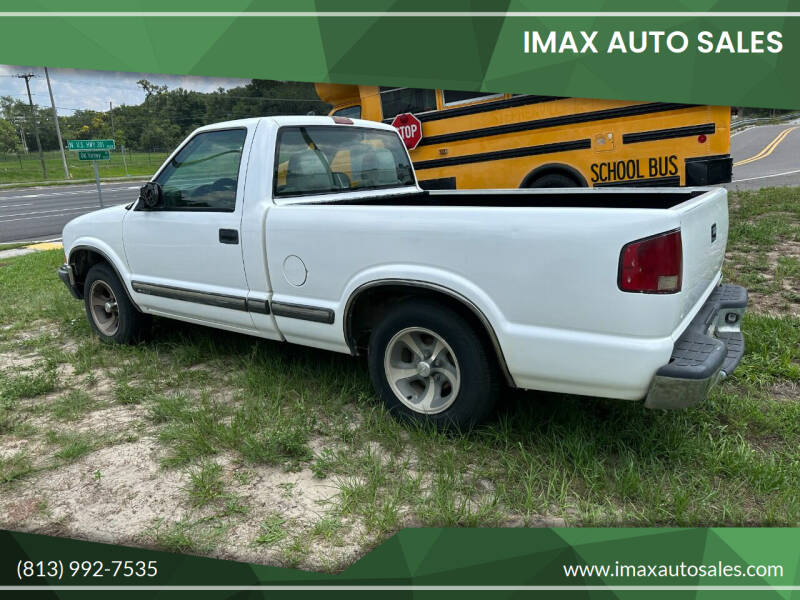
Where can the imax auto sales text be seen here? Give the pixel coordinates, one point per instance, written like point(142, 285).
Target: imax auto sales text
point(638, 42)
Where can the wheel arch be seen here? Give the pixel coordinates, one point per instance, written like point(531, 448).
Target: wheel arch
point(371, 301)
point(83, 257)
point(554, 168)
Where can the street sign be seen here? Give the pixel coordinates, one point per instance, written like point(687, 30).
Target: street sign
point(90, 144)
point(94, 155)
point(410, 129)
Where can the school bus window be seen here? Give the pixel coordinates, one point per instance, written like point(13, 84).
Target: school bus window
point(402, 100)
point(352, 112)
point(451, 97)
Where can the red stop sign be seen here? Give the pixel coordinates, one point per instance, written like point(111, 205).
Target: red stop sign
point(410, 129)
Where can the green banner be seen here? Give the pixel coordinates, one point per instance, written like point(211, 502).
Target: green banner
point(497, 562)
point(731, 53)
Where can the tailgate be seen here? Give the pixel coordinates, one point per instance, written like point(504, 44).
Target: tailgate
point(704, 232)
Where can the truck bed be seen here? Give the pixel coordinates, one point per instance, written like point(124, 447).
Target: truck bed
point(567, 198)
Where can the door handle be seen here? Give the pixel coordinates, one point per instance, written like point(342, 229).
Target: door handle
point(228, 236)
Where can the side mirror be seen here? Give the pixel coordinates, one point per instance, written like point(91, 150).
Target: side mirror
point(151, 196)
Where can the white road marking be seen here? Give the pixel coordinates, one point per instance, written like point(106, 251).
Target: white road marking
point(51, 210)
point(64, 211)
point(767, 176)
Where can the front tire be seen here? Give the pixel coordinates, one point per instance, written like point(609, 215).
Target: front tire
point(111, 314)
point(430, 366)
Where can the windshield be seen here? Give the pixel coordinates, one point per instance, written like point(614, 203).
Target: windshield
point(324, 159)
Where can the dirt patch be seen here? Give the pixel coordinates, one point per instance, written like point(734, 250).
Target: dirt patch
point(300, 499)
point(785, 392)
point(13, 361)
point(121, 494)
point(23, 510)
point(107, 496)
point(36, 330)
point(784, 295)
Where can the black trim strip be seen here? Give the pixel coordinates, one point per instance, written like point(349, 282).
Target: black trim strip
point(442, 183)
point(257, 306)
point(587, 117)
point(712, 157)
point(301, 311)
point(176, 293)
point(474, 109)
point(503, 154)
point(666, 134)
point(674, 181)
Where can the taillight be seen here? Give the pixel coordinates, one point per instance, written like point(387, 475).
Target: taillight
point(652, 265)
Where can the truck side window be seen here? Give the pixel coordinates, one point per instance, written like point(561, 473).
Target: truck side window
point(204, 174)
point(322, 159)
point(402, 100)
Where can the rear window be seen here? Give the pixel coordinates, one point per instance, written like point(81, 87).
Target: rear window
point(326, 159)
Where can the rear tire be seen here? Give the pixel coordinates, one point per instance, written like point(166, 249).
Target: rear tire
point(553, 180)
point(111, 314)
point(430, 366)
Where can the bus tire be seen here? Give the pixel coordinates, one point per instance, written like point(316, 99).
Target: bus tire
point(553, 180)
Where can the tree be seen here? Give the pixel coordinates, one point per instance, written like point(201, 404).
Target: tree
point(9, 140)
point(165, 116)
point(151, 89)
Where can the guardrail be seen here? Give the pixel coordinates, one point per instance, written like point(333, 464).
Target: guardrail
point(762, 120)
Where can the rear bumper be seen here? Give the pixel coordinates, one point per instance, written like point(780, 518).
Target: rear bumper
point(66, 275)
point(709, 170)
point(708, 351)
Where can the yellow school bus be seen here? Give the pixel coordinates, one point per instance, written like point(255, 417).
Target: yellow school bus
point(480, 140)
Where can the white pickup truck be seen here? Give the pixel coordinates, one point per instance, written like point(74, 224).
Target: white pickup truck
point(313, 230)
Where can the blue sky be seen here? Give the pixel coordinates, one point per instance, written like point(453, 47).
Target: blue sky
point(82, 89)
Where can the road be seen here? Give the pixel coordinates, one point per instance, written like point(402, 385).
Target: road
point(763, 156)
point(40, 213)
point(766, 156)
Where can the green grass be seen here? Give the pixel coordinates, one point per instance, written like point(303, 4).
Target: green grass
point(72, 406)
point(72, 445)
point(27, 385)
point(272, 530)
point(13, 246)
point(328, 529)
point(28, 168)
point(206, 484)
point(542, 457)
point(125, 393)
point(15, 467)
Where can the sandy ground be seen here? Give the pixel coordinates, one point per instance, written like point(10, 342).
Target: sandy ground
point(121, 493)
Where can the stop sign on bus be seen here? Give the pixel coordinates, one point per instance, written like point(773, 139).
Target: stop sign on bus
point(410, 129)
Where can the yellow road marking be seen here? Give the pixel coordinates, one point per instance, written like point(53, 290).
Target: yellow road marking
point(768, 149)
point(46, 246)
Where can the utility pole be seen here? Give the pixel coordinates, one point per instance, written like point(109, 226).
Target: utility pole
point(58, 127)
point(19, 121)
point(27, 77)
point(111, 116)
point(122, 146)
